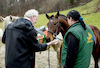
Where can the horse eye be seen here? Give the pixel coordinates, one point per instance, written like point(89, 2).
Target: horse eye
point(55, 23)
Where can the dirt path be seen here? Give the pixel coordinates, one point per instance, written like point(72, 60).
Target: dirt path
point(2, 56)
point(41, 59)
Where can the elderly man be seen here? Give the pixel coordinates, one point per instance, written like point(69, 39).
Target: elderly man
point(21, 42)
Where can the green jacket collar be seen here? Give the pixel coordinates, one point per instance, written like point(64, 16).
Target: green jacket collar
point(78, 23)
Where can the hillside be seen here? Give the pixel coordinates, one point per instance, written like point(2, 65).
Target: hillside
point(88, 12)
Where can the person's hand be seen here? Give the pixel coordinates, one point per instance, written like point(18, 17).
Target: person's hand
point(54, 42)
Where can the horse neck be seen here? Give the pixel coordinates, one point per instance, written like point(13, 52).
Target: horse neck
point(62, 31)
point(64, 26)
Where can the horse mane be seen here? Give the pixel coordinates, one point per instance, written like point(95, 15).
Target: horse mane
point(64, 17)
point(64, 27)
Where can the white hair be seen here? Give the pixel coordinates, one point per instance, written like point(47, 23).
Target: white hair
point(30, 13)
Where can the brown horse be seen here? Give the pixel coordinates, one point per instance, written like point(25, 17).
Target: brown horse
point(55, 47)
point(58, 23)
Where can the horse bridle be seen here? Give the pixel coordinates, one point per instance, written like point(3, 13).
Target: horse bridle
point(55, 33)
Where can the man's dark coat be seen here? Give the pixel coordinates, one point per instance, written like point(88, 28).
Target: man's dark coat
point(21, 44)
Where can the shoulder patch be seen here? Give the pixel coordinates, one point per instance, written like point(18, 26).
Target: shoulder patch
point(89, 38)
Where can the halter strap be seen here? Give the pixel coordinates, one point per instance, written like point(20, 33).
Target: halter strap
point(50, 31)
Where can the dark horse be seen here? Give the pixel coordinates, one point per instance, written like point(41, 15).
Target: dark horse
point(58, 23)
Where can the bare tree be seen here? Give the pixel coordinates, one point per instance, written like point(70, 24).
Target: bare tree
point(19, 7)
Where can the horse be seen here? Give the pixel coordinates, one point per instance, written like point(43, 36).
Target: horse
point(1, 19)
point(42, 35)
point(7, 20)
point(96, 48)
point(1, 33)
point(58, 23)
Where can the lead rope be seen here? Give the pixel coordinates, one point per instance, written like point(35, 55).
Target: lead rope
point(54, 35)
point(49, 57)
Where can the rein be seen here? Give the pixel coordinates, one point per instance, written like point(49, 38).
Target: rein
point(55, 33)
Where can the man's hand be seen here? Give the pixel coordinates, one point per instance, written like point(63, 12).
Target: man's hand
point(54, 42)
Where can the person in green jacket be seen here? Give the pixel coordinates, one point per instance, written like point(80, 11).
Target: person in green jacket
point(77, 43)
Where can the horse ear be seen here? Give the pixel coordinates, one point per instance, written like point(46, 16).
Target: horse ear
point(57, 14)
point(11, 17)
point(47, 16)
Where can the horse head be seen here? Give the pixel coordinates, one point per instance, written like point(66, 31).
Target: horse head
point(9, 19)
point(56, 24)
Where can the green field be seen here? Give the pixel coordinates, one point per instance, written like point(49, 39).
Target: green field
point(91, 18)
point(1, 25)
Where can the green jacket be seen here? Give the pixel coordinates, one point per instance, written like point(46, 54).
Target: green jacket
point(86, 41)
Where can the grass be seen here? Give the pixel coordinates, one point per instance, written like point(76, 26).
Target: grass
point(1, 25)
point(93, 19)
point(90, 19)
